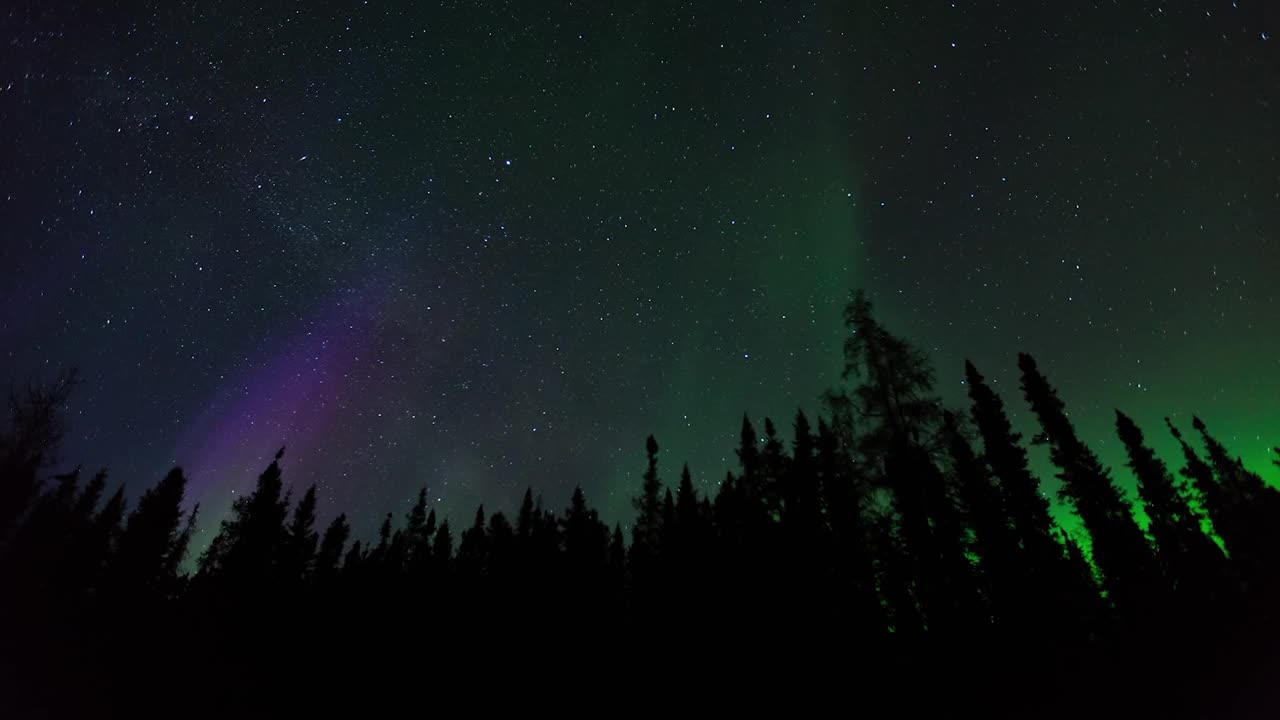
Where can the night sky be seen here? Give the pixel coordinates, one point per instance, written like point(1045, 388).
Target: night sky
point(480, 246)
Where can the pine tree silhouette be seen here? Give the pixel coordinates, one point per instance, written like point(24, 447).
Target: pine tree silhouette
point(646, 533)
point(618, 558)
point(331, 546)
point(250, 543)
point(1053, 576)
point(442, 548)
point(858, 608)
point(1004, 576)
point(770, 473)
point(473, 550)
point(801, 508)
point(354, 560)
point(151, 546)
point(1250, 511)
point(300, 539)
point(417, 532)
point(1120, 549)
point(1192, 563)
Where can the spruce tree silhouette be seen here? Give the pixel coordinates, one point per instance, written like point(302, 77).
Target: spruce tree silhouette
point(300, 540)
point(442, 549)
point(1003, 575)
point(1120, 550)
point(1192, 563)
point(379, 556)
point(1251, 519)
point(527, 516)
point(667, 523)
point(1209, 495)
point(770, 473)
point(617, 566)
point(93, 536)
point(586, 560)
point(250, 543)
point(586, 539)
point(856, 607)
point(1053, 577)
point(473, 551)
point(352, 564)
point(646, 533)
point(801, 508)
point(419, 524)
point(152, 545)
point(420, 537)
point(331, 546)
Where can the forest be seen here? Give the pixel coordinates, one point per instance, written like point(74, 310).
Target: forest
point(890, 556)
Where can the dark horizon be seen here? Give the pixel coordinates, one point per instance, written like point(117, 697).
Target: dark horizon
point(902, 533)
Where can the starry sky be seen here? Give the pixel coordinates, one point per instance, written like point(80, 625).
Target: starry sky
point(479, 246)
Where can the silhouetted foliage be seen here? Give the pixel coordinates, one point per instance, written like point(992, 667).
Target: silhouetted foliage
point(152, 545)
point(331, 546)
point(1191, 562)
point(912, 543)
point(1120, 549)
point(29, 442)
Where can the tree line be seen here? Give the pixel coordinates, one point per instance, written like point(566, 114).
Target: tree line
point(910, 542)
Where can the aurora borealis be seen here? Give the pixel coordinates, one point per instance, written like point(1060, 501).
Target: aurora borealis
point(484, 246)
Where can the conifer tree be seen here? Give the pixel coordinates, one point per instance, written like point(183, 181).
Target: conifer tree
point(646, 533)
point(354, 560)
point(994, 540)
point(379, 554)
point(770, 473)
point(97, 535)
point(331, 546)
point(1027, 507)
point(442, 547)
point(500, 538)
point(473, 548)
point(150, 546)
point(251, 541)
point(301, 538)
point(586, 539)
point(87, 501)
point(1057, 582)
point(898, 414)
point(1251, 514)
point(1204, 487)
point(802, 509)
point(1190, 560)
point(688, 519)
point(417, 534)
point(618, 557)
point(527, 516)
point(845, 520)
point(1120, 549)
